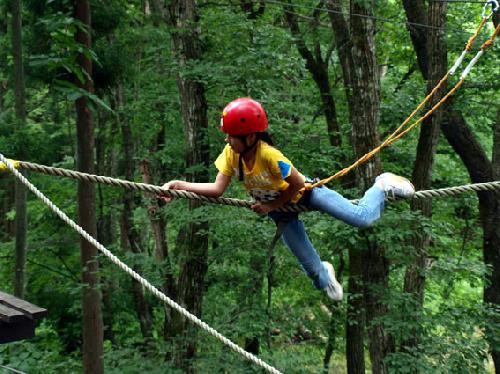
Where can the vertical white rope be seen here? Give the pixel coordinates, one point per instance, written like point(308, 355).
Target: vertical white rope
point(135, 275)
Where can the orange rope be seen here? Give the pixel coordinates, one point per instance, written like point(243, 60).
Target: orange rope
point(399, 132)
point(489, 42)
point(468, 47)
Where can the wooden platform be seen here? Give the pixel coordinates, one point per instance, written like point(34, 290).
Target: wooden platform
point(17, 318)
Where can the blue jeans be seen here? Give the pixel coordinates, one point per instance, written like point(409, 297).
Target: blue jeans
point(328, 201)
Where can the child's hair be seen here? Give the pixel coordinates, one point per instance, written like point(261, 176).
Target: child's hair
point(264, 136)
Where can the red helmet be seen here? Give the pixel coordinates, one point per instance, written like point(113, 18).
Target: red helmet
point(243, 116)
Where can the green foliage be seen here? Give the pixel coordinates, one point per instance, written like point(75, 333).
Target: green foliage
point(131, 55)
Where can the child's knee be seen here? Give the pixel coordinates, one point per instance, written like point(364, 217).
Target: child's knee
point(363, 221)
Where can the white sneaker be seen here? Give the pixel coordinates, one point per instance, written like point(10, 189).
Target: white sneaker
point(395, 185)
point(334, 288)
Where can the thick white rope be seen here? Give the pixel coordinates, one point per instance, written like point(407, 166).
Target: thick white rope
point(135, 275)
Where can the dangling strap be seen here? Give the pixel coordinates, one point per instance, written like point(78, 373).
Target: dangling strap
point(280, 226)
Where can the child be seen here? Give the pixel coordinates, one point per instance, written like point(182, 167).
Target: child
point(272, 180)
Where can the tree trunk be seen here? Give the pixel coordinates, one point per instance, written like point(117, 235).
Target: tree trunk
point(21, 238)
point(17, 55)
point(318, 67)
point(462, 139)
point(417, 15)
point(436, 63)
point(253, 295)
point(3, 53)
point(158, 223)
point(20, 190)
point(464, 142)
point(92, 351)
point(355, 321)
point(491, 248)
point(356, 48)
point(130, 237)
point(182, 16)
point(105, 165)
point(159, 226)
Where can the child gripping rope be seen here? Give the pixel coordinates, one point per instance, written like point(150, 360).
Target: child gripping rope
point(273, 181)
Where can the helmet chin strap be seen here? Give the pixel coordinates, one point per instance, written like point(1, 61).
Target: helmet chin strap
point(247, 149)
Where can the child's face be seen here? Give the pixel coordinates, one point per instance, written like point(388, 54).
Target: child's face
point(236, 143)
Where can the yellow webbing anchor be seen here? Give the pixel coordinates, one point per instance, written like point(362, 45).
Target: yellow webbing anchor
point(3, 166)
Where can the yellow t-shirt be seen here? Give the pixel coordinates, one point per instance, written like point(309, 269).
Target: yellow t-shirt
point(266, 180)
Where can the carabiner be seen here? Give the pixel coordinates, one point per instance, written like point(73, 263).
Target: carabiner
point(494, 8)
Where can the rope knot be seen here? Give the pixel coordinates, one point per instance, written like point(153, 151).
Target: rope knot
point(487, 44)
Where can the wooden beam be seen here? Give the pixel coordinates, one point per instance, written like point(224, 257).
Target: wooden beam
point(26, 308)
point(11, 315)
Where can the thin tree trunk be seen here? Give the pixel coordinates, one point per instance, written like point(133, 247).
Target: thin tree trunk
point(335, 318)
point(105, 165)
point(8, 184)
point(159, 226)
point(186, 47)
point(414, 281)
point(3, 54)
point(17, 54)
point(21, 238)
point(256, 265)
point(158, 223)
point(318, 68)
point(251, 298)
point(93, 362)
point(355, 321)
point(130, 237)
point(416, 12)
point(8, 226)
point(20, 190)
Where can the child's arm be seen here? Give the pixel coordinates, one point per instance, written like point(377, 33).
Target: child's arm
point(215, 189)
point(295, 184)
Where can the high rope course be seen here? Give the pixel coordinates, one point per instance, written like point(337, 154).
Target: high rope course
point(13, 165)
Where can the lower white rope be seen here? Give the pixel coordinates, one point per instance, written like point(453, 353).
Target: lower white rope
point(135, 275)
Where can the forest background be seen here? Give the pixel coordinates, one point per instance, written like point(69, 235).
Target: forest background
point(141, 100)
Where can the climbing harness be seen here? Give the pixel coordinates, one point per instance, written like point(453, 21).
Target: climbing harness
point(399, 132)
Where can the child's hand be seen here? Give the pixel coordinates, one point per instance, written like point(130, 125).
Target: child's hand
point(262, 208)
point(172, 185)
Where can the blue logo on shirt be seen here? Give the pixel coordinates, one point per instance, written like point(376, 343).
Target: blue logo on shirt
point(284, 168)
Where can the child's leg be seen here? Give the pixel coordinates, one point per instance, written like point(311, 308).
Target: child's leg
point(295, 237)
point(363, 214)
